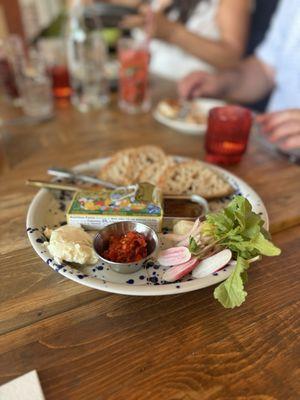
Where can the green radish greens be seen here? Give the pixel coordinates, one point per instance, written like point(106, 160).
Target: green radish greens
point(241, 230)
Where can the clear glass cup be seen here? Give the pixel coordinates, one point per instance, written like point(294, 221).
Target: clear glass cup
point(134, 93)
point(8, 83)
point(87, 60)
point(227, 134)
point(35, 87)
point(55, 56)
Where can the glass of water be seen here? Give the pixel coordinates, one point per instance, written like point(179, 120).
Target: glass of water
point(87, 59)
point(35, 87)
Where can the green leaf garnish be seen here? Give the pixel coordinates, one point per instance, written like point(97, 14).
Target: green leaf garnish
point(231, 293)
point(241, 230)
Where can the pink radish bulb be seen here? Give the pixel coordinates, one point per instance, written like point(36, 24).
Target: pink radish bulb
point(174, 256)
point(179, 271)
point(212, 264)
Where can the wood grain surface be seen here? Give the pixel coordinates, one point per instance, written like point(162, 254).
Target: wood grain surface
point(87, 344)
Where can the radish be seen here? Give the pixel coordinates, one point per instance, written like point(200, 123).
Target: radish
point(177, 272)
point(174, 256)
point(212, 264)
point(194, 232)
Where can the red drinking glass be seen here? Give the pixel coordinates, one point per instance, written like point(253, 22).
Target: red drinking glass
point(60, 81)
point(227, 134)
point(7, 79)
point(55, 56)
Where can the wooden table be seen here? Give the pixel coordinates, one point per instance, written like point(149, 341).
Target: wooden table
point(91, 345)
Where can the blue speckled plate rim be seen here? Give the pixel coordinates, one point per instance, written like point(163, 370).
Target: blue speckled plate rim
point(143, 290)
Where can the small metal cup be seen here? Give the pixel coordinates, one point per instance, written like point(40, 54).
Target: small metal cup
point(121, 228)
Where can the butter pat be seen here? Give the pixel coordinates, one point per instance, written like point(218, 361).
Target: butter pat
point(136, 203)
point(72, 244)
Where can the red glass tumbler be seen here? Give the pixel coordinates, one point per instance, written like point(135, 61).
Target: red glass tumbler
point(227, 134)
point(60, 81)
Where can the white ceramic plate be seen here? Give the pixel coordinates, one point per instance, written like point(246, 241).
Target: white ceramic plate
point(185, 127)
point(48, 209)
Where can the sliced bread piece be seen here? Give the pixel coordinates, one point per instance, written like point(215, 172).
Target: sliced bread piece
point(194, 177)
point(119, 169)
point(153, 172)
point(144, 157)
point(126, 165)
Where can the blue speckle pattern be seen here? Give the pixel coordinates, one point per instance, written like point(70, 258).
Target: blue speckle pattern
point(31, 230)
point(81, 276)
point(148, 264)
point(58, 267)
point(41, 240)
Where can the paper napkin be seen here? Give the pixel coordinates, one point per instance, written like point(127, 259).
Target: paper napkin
point(25, 387)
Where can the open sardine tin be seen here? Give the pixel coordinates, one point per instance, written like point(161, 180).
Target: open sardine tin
point(137, 203)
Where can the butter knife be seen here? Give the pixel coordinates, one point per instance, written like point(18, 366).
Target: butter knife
point(67, 173)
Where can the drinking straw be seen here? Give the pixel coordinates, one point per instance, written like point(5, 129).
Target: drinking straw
point(148, 25)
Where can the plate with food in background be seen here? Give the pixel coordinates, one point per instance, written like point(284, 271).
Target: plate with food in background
point(188, 118)
point(119, 239)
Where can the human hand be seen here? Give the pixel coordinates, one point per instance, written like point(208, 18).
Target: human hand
point(156, 24)
point(125, 3)
point(282, 127)
point(200, 83)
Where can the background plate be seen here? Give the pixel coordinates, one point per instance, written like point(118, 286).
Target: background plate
point(185, 127)
point(48, 209)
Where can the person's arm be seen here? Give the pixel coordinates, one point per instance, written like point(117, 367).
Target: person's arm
point(233, 20)
point(125, 3)
point(248, 82)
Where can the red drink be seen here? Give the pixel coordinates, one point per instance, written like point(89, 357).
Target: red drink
point(7, 79)
point(227, 134)
point(60, 81)
point(133, 76)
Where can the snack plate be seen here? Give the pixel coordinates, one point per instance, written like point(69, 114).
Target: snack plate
point(185, 127)
point(48, 209)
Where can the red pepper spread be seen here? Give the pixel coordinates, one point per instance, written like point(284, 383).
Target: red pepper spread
point(127, 248)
